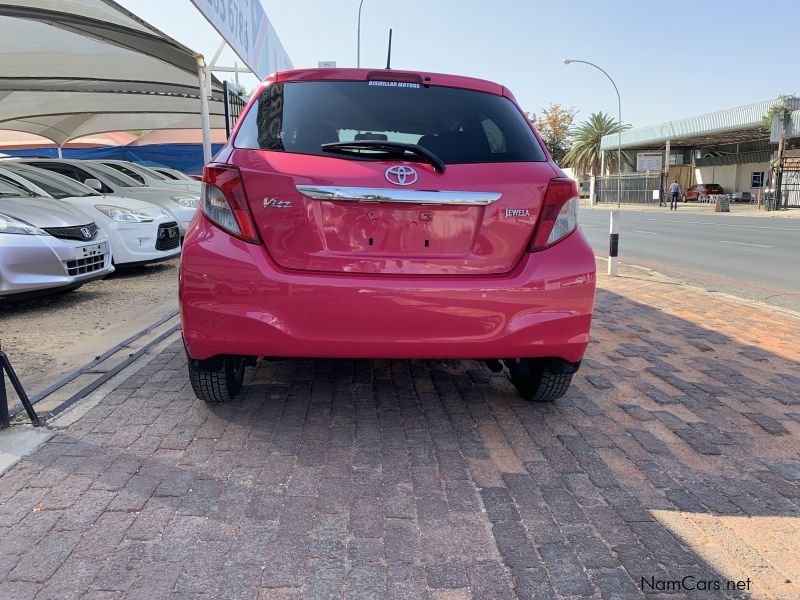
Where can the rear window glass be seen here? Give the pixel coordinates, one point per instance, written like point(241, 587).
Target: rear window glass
point(459, 126)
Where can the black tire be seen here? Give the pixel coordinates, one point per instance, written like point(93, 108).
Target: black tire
point(536, 381)
point(218, 379)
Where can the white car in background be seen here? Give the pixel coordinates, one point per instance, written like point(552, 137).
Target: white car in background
point(149, 177)
point(46, 245)
point(181, 204)
point(139, 232)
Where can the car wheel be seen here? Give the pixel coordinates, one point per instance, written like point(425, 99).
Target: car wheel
point(536, 381)
point(685, 199)
point(217, 379)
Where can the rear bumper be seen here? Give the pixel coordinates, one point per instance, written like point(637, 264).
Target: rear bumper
point(235, 300)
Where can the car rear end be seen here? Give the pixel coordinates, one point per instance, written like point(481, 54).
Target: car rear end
point(303, 248)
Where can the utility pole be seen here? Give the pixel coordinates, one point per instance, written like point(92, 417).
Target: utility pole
point(665, 185)
point(205, 118)
point(358, 47)
point(614, 223)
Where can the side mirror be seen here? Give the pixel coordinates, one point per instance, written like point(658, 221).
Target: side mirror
point(93, 183)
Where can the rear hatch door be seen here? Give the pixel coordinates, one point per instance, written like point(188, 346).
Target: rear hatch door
point(366, 213)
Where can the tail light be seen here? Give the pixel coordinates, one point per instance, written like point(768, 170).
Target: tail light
point(559, 216)
point(224, 202)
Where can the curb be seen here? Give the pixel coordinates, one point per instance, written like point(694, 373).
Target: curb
point(19, 441)
point(738, 299)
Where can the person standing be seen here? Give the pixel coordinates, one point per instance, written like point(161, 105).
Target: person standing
point(674, 192)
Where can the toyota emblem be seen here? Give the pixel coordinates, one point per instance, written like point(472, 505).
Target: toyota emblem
point(401, 175)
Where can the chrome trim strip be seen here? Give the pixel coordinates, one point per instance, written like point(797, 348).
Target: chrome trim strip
point(359, 194)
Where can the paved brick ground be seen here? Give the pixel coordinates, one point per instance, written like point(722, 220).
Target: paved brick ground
point(675, 454)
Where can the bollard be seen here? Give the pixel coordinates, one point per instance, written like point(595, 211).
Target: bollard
point(5, 421)
point(613, 249)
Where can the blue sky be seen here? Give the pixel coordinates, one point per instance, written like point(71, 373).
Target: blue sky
point(669, 59)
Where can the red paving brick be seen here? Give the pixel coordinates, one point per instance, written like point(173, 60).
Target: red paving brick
point(675, 453)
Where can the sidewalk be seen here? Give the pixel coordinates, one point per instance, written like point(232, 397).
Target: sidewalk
point(693, 208)
point(674, 454)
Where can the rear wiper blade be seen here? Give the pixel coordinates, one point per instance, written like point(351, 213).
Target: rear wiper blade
point(396, 149)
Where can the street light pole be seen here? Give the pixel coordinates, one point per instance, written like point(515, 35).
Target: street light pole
point(612, 259)
point(358, 51)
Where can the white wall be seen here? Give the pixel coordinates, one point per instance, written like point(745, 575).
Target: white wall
point(723, 175)
point(733, 178)
point(746, 174)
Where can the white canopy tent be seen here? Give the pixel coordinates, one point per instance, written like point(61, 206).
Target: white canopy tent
point(78, 67)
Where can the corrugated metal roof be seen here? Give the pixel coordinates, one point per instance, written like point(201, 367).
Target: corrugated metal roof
point(760, 156)
point(740, 118)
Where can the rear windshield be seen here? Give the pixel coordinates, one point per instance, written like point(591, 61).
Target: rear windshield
point(713, 186)
point(459, 126)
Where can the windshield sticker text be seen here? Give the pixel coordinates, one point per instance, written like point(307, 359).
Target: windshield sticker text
point(400, 84)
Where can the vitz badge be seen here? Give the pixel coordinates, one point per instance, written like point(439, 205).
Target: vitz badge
point(275, 203)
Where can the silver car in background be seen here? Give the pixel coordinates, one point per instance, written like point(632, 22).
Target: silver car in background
point(46, 245)
point(181, 204)
point(150, 177)
point(172, 173)
point(139, 232)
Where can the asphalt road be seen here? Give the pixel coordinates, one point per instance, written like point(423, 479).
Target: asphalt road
point(753, 257)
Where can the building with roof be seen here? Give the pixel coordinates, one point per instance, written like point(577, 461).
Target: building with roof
point(733, 148)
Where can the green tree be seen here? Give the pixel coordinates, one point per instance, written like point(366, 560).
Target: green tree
point(584, 153)
point(553, 124)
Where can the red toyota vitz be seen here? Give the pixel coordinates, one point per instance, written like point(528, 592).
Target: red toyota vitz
point(385, 214)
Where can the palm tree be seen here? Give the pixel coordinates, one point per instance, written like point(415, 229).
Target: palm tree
point(584, 153)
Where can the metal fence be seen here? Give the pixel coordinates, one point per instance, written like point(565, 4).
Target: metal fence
point(790, 182)
point(234, 105)
point(635, 188)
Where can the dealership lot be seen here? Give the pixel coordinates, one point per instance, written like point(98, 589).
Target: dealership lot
point(674, 455)
point(50, 336)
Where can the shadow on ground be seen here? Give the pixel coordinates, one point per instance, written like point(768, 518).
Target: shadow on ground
point(674, 455)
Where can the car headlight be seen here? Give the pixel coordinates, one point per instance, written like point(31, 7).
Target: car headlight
point(11, 225)
point(123, 214)
point(185, 201)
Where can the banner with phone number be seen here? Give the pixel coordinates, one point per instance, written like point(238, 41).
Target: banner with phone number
point(244, 25)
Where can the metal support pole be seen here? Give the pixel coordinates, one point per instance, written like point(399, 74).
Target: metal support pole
point(60, 153)
point(613, 249)
point(614, 226)
point(226, 96)
point(665, 187)
point(205, 118)
point(619, 153)
point(5, 421)
point(358, 49)
point(5, 365)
